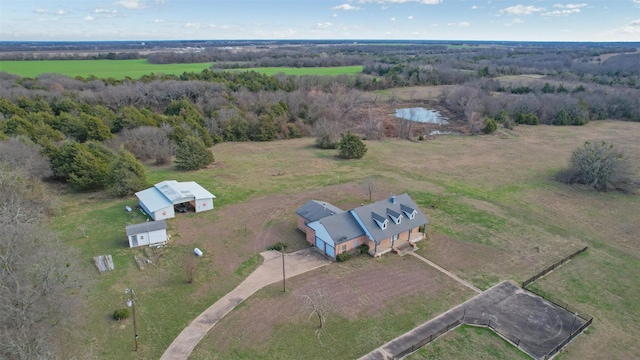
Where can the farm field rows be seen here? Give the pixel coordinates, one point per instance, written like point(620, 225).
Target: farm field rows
point(495, 212)
point(120, 69)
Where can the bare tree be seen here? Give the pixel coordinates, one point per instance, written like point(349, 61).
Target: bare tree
point(370, 186)
point(320, 306)
point(189, 265)
point(36, 275)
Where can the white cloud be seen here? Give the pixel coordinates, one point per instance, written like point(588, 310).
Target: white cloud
point(334, 15)
point(629, 29)
point(105, 11)
point(474, 7)
point(410, 17)
point(61, 12)
point(40, 11)
point(565, 10)
point(193, 25)
point(158, 21)
point(89, 18)
point(132, 4)
point(425, 2)
point(521, 10)
point(345, 7)
point(571, 6)
point(393, 19)
point(459, 24)
point(323, 25)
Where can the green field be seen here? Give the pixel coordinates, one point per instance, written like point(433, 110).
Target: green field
point(495, 214)
point(120, 69)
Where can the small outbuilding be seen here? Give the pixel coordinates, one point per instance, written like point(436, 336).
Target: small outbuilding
point(148, 233)
point(164, 198)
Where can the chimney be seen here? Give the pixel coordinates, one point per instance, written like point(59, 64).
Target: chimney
point(393, 198)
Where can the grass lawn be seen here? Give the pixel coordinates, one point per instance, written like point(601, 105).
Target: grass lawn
point(120, 69)
point(466, 340)
point(495, 213)
point(117, 69)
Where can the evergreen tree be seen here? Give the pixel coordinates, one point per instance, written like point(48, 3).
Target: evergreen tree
point(351, 147)
point(126, 175)
point(192, 154)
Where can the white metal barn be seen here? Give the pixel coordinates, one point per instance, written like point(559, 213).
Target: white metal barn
point(159, 201)
point(148, 233)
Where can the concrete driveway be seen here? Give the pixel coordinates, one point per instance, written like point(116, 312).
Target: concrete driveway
point(268, 273)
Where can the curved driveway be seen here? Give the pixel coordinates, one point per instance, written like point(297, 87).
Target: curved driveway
point(269, 272)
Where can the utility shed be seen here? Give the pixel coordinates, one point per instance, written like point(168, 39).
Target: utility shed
point(147, 233)
point(160, 200)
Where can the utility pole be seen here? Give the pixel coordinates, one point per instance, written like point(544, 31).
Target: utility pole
point(284, 288)
point(131, 303)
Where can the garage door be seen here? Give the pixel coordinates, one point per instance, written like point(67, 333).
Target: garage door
point(326, 248)
point(320, 244)
point(330, 250)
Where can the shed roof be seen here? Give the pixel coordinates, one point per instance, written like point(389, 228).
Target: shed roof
point(170, 192)
point(146, 227)
point(180, 192)
point(315, 210)
point(153, 199)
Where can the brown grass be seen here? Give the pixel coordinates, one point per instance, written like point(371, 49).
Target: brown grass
point(495, 211)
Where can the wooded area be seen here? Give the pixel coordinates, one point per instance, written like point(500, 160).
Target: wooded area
point(80, 123)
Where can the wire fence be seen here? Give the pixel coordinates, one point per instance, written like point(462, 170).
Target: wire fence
point(552, 267)
point(560, 303)
point(428, 339)
point(568, 339)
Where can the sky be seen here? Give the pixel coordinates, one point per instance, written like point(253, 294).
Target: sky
point(506, 20)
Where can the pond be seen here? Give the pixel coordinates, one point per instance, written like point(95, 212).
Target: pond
point(422, 115)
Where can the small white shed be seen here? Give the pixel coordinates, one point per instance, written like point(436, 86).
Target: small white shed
point(147, 233)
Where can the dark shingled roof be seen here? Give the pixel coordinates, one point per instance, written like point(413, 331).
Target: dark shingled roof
point(403, 203)
point(342, 227)
point(315, 210)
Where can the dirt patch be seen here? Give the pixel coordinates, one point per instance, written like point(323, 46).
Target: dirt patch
point(232, 233)
point(360, 287)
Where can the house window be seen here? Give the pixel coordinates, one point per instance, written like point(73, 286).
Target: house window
point(344, 248)
point(384, 225)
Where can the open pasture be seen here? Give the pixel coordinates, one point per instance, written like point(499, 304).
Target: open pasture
point(121, 69)
point(495, 211)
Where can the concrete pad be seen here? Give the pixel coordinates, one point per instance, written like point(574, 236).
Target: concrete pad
point(530, 322)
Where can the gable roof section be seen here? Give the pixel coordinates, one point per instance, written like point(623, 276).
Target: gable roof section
point(315, 210)
point(153, 199)
point(386, 206)
point(181, 192)
point(342, 227)
point(146, 227)
point(171, 192)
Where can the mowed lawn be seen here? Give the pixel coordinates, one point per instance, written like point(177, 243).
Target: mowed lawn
point(120, 69)
point(495, 211)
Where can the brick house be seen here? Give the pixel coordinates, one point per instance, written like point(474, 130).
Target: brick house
point(386, 225)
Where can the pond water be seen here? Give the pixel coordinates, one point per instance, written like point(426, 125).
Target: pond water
point(422, 115)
